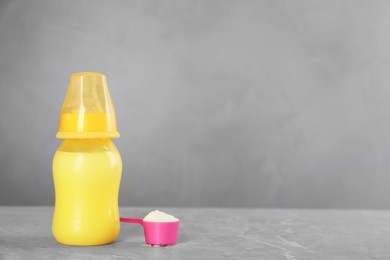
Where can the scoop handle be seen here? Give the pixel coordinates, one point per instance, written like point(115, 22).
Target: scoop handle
point(132, 220)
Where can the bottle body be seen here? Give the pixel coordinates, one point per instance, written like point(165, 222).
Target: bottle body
point(86, 175)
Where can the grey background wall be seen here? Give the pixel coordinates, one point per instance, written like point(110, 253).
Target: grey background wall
point(219, 103)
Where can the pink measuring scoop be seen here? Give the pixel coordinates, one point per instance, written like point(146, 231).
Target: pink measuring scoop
point(157, 233)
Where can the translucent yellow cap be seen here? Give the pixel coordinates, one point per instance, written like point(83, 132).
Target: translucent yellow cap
point(87, 111)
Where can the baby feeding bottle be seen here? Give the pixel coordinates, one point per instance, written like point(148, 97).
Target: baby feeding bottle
point(87, 166)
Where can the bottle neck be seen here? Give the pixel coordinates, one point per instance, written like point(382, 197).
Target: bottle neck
point(87, 145)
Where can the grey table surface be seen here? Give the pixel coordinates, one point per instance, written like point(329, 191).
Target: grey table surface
point(213, 233)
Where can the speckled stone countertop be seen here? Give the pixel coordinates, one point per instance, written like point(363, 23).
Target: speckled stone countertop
point(213, 233)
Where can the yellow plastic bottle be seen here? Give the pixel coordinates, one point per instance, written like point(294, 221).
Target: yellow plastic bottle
point(87, 166)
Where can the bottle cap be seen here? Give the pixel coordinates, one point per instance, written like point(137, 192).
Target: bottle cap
point(87, 110)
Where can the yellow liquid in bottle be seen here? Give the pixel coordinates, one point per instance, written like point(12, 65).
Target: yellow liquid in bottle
point(87, 175)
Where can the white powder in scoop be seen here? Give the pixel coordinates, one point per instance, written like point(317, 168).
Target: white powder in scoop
point(159, 216)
